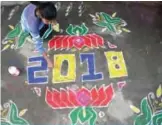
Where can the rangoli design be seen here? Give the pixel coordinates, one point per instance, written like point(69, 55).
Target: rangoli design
point(12, 115)
point(110, 23)
point(16, 38)
point(13, 34)
point(151, 109)
point(77, 38)
point(82, 101)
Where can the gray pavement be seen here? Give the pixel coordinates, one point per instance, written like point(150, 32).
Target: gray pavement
point(142, 51)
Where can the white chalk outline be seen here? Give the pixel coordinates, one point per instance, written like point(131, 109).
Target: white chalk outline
point(37, 91)
point(87, 73)
point(101, 114)
point(111, 46)
point(40, 64)
point(123, 84)
point(68, 9)
point(58, 5)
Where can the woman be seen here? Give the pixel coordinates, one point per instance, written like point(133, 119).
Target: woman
point(35, 17)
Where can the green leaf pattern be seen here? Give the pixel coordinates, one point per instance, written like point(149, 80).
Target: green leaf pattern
point(101, 24)
point(72, 30)
point(69, 30)
point(15, 32)
point(77, 28)
point(157, 119)
point(151, 114)
point(84, 29)
point(13, 116)
point(113, 24)
point(22, 38)
point(145, 117)
point(5, 123)
point(109, 19)
point(77, 114)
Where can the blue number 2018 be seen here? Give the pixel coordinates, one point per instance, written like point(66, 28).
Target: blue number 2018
point(40, 67)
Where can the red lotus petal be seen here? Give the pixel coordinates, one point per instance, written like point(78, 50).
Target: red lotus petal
point(100, 98)
point(65, 43)
point(58, 42)
point(88, 41)
point(109, 95)
point(70, 43)
point(94, 94)
point(51, 43)
point(56, 97)
point(93, 40)
point(67, 99)
point(100, 40)
point(49, 99)
point(72, 98)
point(64, 98)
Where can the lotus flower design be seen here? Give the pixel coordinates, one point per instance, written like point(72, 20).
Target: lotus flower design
point(82, 100)
point(83, 97)
point(68, 42)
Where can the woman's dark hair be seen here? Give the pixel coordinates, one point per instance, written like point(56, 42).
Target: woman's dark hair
point(46, 10)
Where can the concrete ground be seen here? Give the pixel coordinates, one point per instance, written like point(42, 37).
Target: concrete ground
point(142, 50)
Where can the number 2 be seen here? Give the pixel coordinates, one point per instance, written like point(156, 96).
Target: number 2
point(40, 66)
